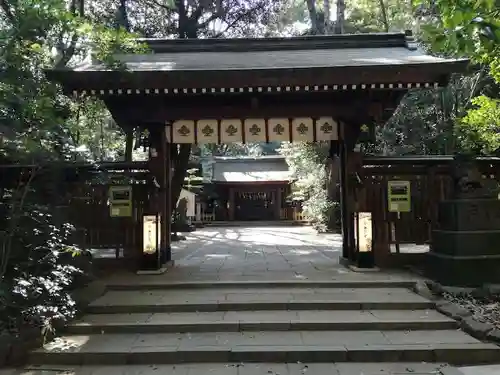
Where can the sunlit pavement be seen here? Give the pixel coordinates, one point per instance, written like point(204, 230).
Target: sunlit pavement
point(281, 253)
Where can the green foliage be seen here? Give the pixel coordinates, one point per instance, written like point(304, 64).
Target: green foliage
point(37, 269)
point(40, 127)
point(307, 164)
point(105, 43)
point(480, 128)
point(379, 15)
point(469, 28)
point(238, 149)
point(94, 135)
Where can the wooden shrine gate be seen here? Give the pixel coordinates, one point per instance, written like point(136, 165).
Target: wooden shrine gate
point(306, 89)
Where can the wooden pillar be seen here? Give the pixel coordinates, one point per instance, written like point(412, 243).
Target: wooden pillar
point(231, 204)
point(153, 261)
point(278, 203)
point(344, 201)
point(166, 202)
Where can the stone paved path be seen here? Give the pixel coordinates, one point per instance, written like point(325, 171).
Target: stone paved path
point(261, 253)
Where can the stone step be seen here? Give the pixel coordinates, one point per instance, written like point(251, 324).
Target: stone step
point(255, 299)
point(155, 283)
point(449, 346)
point(250, 369)
point(236, 321)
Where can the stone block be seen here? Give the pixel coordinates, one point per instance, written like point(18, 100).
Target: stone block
point(265, 326)
point(316, 354)
point(39, 357)
point(258, 353)
point(104, 358)
point(153, 354)
point(417, 353)
point(492, 289)
point(374, 353)
point(494, 335)
point(469, 215)
point(202, 354)
point(422, 288)
point(464, 271)
point(452, 310)
point(470, 243)
point(475, 328)
point(468, 354)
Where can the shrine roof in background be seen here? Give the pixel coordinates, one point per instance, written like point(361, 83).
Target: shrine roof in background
point(250, 169)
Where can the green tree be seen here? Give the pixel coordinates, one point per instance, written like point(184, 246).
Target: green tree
point(308, 165)
point(39, 128)
point(380, 15)
point(469, 29)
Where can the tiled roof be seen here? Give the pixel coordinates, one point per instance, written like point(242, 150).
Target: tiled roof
point(274, 53)
point(247, 169)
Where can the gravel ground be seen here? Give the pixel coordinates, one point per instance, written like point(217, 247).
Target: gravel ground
point(485, 309)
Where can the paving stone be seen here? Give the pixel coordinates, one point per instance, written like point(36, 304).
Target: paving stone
point(362, 338)
point(171, 301)
point(258, 254)
point(374, 352)
point(429, 337)
point(251, 369)
point(389, 368)
point(234, 321)
point(312, 369)
point(473, 353)
point(480, 370)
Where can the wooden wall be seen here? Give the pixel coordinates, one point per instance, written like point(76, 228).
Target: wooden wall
point(431, 183)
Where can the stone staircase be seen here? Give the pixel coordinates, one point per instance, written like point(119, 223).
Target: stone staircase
point(226, 323)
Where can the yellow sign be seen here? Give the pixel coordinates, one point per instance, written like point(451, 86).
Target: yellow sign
point(151, 234)
point(399, 196)
point(364, 231)
point(120, 201)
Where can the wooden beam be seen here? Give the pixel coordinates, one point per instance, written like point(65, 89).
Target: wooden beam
point(158, 115)
point(337, 75)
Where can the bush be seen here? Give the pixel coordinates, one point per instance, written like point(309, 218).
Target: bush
point(38, 268)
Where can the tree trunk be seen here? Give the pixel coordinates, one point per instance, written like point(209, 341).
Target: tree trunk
point(339, 24)
point(187, 29)
point(129, 144)
point(313, 15)
point(327, 11)
point(180, 161)
point(384, 15)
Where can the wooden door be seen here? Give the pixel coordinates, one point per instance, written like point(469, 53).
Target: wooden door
point(255, 205)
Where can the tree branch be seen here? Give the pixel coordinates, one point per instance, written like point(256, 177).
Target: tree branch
point(238, 19)
point(196, 15)
point(6, 9)
point(213, 17)
point(157, 3)
point(67, 53)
